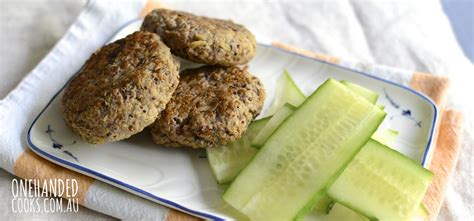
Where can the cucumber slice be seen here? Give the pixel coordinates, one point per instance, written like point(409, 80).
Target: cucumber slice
point(272, 125)
point(304, 155)
point(282, 113)
point(362, 91)
point(385, 137)
point(227, 161)
point(286, 92)
point(369, 95)
point(381, 183)
point(338, 213)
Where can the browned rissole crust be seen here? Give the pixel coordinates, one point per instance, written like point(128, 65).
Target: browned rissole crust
point(121, 89)
point(212, 106)
point(202, 39)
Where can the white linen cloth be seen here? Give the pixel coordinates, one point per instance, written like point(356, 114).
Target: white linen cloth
point(408, 35)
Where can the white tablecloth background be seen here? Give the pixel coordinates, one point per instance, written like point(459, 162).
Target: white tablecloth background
point(408, 35)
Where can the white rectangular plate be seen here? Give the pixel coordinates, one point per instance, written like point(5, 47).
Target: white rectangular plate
point(181, 178)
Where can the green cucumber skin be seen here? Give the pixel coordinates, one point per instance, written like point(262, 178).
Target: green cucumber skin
point(371, 218)
point(271, 126)
point(381, 106)
point(338, 213)
point(371, 126)
point(227, 179)
point(286, 83)
point(328, 204)
point(324, 205)
point(385, 137)
point(424, 172)
point(292, 82)
point(369, 95)
point(422, 214)
point(423, 210)
point(310, 204)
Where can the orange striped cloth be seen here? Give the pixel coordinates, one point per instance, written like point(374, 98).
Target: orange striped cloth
point(28, 165)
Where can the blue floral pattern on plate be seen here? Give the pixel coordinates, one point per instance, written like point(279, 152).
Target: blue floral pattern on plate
point(404, 113)
point(59, 145)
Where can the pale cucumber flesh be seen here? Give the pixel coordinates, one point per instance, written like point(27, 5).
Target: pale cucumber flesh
point(286, 92)
point(381, 184)
point(362, 91)
point(385, 136)
point(302, 157)
point(325, 204)
point(270, 127)
point(227, 161)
